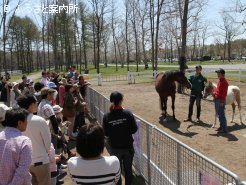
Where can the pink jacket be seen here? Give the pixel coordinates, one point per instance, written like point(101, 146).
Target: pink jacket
point(61, 95)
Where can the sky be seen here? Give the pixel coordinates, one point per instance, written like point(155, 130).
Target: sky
point(211, 11)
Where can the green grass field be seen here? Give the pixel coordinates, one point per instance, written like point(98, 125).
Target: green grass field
point(211, 62)
point(19, 76)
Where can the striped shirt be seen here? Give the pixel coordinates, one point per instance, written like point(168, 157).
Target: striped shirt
point(45, 110)
point(15, 157)
point(103, 171)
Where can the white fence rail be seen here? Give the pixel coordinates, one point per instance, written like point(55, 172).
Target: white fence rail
point(132, 77)
point(15, 72)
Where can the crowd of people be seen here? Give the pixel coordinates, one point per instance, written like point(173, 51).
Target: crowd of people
point(38, 119)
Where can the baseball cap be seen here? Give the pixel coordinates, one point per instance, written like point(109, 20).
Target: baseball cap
point(57, 109)
point(199, 66)
point(51, 84)
point(221, 71)
point(3, 110)
point(47, 90)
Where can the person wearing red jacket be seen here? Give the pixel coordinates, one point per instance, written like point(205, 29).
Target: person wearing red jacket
point(220, 97)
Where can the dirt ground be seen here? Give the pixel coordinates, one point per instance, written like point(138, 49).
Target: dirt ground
point(229, 149)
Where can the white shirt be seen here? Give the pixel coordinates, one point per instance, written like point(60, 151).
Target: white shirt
point(44, 81)
point(38, 131)
point(13, 102)
point(103, 171)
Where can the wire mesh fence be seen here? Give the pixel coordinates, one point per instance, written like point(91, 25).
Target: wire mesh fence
point(161, 159)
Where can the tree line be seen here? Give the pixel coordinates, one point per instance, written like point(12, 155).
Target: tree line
point(119, 32)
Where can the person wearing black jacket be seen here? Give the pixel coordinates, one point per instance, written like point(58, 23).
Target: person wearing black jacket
point(119, 124)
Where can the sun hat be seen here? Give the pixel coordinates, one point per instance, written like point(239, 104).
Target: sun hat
point(63, 81)
point(57, 109)
point(47, 90)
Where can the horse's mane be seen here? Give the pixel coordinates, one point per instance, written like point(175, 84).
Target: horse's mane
point(170, 74)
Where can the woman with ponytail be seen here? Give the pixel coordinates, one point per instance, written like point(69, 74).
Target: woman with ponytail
point(119, 124)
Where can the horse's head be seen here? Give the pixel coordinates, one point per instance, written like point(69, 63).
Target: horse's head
point(208, 90)
point(181, 78)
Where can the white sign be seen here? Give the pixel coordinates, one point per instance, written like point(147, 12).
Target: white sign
point(71, 8)
point(207, 179)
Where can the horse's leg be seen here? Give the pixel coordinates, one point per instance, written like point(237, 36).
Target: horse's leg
point(162, 105)
point(173, 106)
point(160, 102)
point(165, 107)
point(239, 109)
point(233, 111)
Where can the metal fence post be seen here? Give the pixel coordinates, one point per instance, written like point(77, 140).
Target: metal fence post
point(129, 79)
point(240, 74)
point(149, 143)
point(179, 170)
point(99, 77)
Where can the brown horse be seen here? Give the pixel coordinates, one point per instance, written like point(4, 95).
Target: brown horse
point(165, 86)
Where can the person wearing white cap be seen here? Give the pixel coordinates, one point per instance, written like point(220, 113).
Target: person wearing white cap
point(29, 89)
point(61, 142)
point(14, 94)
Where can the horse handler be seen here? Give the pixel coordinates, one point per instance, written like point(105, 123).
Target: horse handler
point(220, 96)
point(198, 84)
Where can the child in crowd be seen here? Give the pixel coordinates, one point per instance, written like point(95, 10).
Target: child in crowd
point(80, 108)
point(62, 144)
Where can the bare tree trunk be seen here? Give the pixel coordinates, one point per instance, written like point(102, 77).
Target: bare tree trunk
point(48, 46)
point(182, 60)
point(126, 35)
point(160, 3)
point(229, 50)
point(44, 58)
point(152, 30)
point(114, 37)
